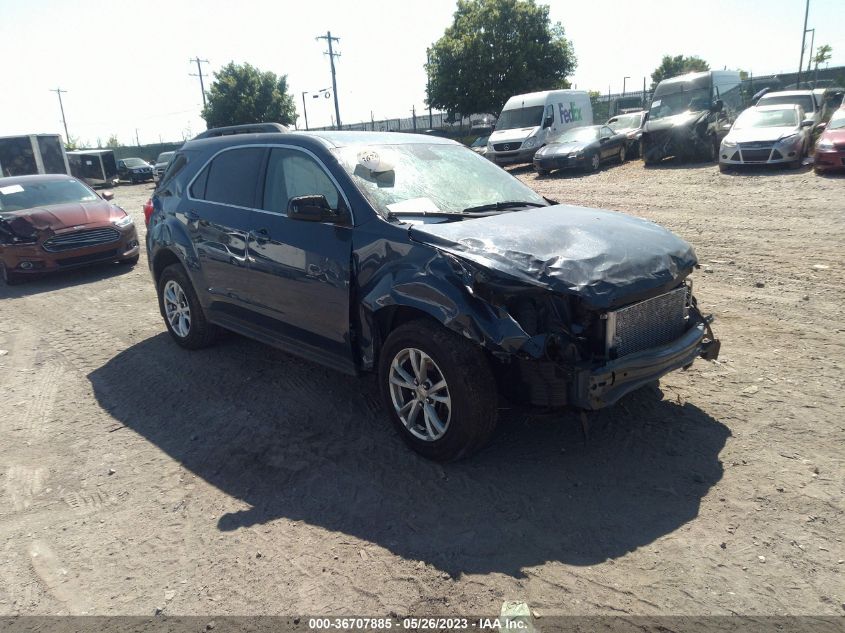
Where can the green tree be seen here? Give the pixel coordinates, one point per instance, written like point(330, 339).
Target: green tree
point(823, 54)
point(113, 141)
point(678, 65)
point(493, 50)
point(241, 93)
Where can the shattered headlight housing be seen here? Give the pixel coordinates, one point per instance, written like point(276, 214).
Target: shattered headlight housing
point(726, 142)
point(788, 140)
point(124, 222)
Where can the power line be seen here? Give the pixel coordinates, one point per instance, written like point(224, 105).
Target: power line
point(328, 37)
point(199, 74)
point(59, 92)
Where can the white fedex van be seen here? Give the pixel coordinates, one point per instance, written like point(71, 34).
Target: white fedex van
point(529, 121)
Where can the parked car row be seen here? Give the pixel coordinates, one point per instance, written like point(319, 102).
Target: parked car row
point(692, 116)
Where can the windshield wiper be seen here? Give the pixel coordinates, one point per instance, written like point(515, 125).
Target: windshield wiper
point(501, 206)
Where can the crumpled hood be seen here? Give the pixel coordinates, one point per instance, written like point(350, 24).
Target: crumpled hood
point(683, 119)
point(761, 134)
point(837, 136)
point(65, 216)
point(516, 135)
point(604, 257)
point(558, 149)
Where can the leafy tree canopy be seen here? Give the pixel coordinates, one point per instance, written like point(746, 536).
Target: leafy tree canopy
point(244, 94)
point(493, 50)
point(678, 65)
point(823, 53)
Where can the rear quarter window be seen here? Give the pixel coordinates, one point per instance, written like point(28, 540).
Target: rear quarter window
point(233, 177)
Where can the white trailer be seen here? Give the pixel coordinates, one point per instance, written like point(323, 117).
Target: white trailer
point(32, 154)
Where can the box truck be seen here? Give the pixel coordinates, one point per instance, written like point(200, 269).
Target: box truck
point(29, 154)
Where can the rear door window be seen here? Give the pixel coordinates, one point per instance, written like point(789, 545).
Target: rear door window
point(233, 177)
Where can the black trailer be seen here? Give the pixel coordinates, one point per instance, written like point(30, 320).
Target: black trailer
point(30, 154)
point(95, 167)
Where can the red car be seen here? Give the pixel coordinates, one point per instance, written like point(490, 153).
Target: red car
point(830, 148)
point(55, 222)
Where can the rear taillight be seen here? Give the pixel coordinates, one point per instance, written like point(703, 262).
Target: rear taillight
point(148, 211)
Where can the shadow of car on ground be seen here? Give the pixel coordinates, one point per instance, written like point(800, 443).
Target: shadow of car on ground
point(297, 441)
point(59, 279)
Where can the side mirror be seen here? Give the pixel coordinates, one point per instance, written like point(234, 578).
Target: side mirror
point(821, 126)
point(108, 196)
point(310, 208)
point(718, 106)
point(548, 121)
point(603, 139)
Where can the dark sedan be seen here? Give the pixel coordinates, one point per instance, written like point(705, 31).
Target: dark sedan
point(581, 148)
point(134, 170)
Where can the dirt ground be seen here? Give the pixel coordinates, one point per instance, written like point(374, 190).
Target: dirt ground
point(137, 476)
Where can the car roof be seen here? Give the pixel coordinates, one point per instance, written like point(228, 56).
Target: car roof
point(19, 180)
point(328, 139)
point(777, 106)
point(88, 152)
point(787, 93)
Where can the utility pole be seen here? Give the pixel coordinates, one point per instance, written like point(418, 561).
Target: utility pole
point(803, 40)
point(199, 74)
point(624, 79)
point(328, 37)
point(414, 117)
point(428, 85)
point(59, 92)
point(304, 109)
point(810, 56)
point(137, 141)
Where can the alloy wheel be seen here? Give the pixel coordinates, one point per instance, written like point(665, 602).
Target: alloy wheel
point(177, 310)
point(420, 394)
point(594, 162)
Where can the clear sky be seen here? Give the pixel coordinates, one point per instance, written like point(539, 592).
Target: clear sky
point(125, 64)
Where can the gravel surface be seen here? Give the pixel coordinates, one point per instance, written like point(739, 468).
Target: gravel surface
point(137, 476)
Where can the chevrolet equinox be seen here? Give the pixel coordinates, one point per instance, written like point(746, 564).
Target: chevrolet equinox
point(413, 257)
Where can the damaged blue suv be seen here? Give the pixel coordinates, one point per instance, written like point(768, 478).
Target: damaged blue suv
point(415, 258)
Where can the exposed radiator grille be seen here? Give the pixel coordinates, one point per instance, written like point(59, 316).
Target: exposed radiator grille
point(650, 323)
point(81, 239)
point(507, 147)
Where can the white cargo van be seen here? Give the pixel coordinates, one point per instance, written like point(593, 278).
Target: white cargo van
point(529, 121)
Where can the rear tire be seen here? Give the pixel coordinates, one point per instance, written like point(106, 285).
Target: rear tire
point(434, 429)
point(181, 309)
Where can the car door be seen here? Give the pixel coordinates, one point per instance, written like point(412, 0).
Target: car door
point(300, 270)
point(607, 147)
point(217, 213)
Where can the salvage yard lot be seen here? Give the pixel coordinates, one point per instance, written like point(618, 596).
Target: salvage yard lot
point(137, 476)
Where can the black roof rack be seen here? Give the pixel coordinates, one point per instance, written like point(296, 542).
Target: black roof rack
point(249, 128)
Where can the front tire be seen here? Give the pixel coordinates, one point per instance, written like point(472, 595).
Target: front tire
point(593, 163)
point(9, 278)
point(181, 309)
point(622, 154)
point(439, 390)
